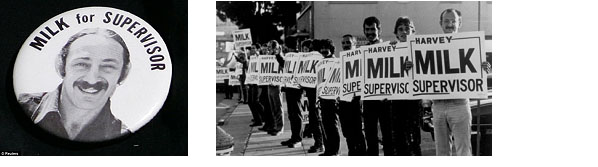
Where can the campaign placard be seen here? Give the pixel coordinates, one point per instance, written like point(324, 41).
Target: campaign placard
point(351, 73)
point(385, 72)
point(221, 74)
point(448, 66)
point(234, 75)
point(306, 69)
point(290, 66)
point(252, 71)
point(242, 38)
point(233, 80)
point(329, 78)
point(270, 71)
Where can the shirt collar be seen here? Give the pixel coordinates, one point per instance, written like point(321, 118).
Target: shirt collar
point(49, 103)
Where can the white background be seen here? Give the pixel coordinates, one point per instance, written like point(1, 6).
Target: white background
point(544, 88)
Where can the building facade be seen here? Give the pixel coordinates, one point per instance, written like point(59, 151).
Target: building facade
point(333, 19)
point(224, 31)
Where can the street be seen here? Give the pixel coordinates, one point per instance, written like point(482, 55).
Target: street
point(251, 142)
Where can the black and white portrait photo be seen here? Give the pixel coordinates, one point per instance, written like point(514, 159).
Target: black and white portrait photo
point(92, 74)
point(92, 64)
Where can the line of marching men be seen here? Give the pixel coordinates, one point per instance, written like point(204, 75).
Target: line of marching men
point(399, 121)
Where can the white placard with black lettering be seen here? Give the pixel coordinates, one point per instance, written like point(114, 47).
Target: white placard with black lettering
point(221, 74)
point(270, 71)
point(329, 78)
point(385, 72)
point(352, 74)
point(448, 66)
point(290, 66)
point(234, 76)
point(252, 71)
point(242, 38)
point(306, 69)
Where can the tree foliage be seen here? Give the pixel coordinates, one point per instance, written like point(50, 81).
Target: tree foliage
point(262, 17)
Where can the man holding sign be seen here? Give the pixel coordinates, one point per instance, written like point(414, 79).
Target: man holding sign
point(452, 113)
point(255, 105)
point(293, 94)
point(327, 96)
point(405, 113)
point(275, 117)
point(306, 78)
point(351, 111)
point(375, 111)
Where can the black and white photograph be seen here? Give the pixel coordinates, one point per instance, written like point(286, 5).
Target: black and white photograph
point(354, 78)
point(371, 83)
point(98, 79)
point(102, 92)
point(79, 109)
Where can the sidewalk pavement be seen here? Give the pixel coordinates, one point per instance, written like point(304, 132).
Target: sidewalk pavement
point(249, 141)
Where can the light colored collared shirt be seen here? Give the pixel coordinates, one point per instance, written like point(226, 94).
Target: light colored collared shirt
point(43, 110)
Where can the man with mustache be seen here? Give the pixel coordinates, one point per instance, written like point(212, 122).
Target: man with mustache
point(375, 111)
point(452, 117)
point(92, 64)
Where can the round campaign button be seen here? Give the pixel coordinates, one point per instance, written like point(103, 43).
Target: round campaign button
point(92, 74)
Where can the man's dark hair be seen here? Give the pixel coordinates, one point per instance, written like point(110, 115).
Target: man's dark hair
point(257, 45)
point(307, 43)
point(274, 44)
point(323, 44)
point(316, 44)
point(370, 21)
point(327, 43)
point(403, 20)
point(61, 59)
point(451, 10)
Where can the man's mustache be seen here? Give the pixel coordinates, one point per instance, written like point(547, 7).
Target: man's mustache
point(100, 85)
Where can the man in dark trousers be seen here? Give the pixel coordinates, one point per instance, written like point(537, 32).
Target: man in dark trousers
point(293, 96)
point(274, 94)
point(315, 119)
point(406, 117)
point(350, 113)
point(329, 108)
point(375, 111)
point(242, 58)
point(257, 109)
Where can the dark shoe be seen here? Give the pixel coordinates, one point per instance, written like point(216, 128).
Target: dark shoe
point(315, 149)
point(275, 133)
point(265, 129)
point(256, 124)
point(284, 143)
